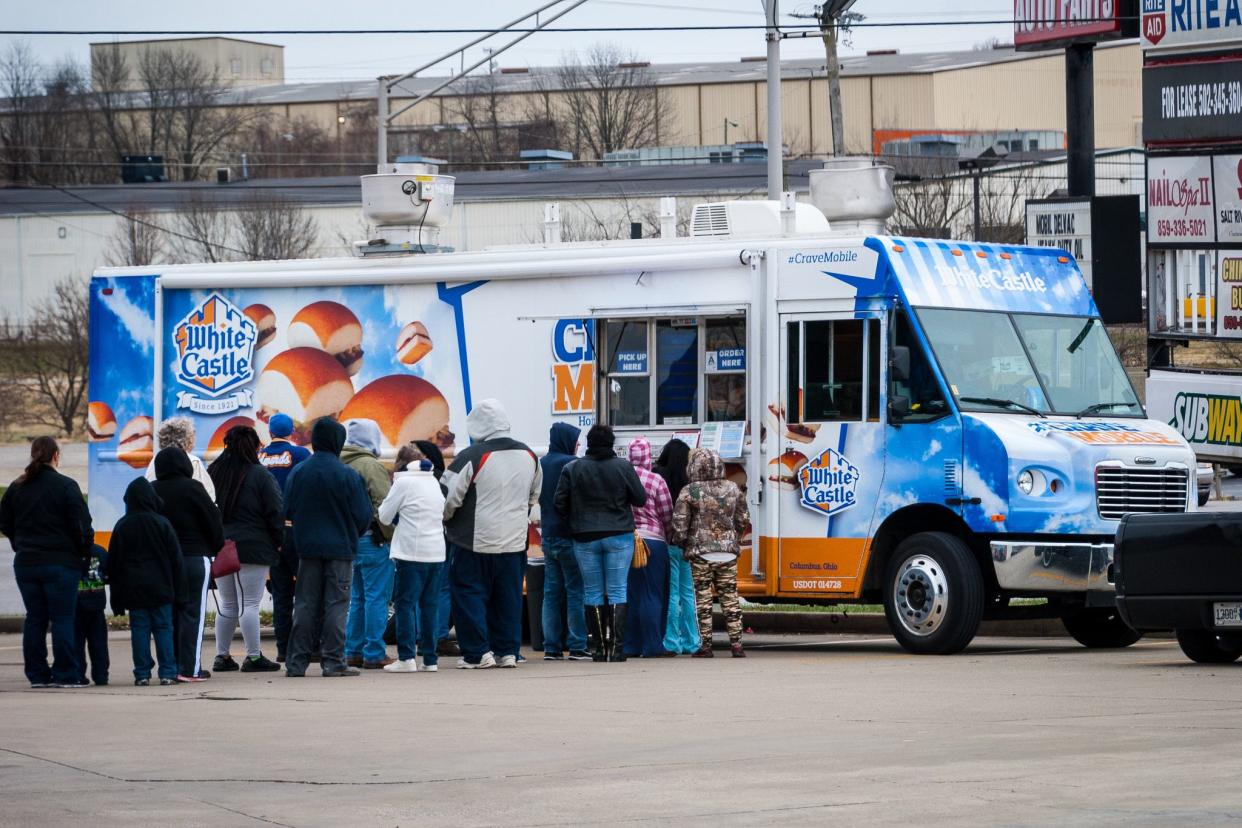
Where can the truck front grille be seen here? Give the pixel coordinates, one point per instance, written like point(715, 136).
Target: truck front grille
point(1121, 490)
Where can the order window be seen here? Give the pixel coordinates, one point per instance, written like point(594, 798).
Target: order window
point(675, 371)
point(834, 370)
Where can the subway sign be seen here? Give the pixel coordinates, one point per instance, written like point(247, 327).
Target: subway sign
point(1208, 419)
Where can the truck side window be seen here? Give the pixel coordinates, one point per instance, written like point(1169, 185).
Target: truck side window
point(920, 389)
point(677, 372)
point(725, 368)
point(628, 373)
point(827, 366)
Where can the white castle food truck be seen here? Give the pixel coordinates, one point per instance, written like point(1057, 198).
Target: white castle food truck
point(943, 427)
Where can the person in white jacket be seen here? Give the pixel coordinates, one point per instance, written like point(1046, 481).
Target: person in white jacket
point(179, 432)
point(415, 504)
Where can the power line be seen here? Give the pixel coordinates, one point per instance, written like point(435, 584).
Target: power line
point(717, 27)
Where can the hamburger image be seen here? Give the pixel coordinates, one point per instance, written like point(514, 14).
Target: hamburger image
point(330, 327)
point(215, 446)
point(306, 384)
point(135, 444)
point(413, 343)
point(264, 319)
point(783, 470)
point(100, 422)
point(405, 408)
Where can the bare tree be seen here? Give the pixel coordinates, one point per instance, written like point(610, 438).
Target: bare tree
point(928, 209)
point(54, 358)
point(19, 82)
point(137, 241)
point(110, 101)
point(478, 106)
point(275, 227)
point(201, 232)
point(609, 102)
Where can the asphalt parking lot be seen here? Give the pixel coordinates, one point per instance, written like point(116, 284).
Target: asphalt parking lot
point(804, 731)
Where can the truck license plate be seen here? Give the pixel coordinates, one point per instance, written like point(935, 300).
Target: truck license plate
point(1227, 614)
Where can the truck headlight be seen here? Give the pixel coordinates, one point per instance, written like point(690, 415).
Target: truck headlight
point(1026, 482)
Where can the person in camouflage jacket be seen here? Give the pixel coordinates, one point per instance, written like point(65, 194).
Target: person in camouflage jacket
point(709, 518)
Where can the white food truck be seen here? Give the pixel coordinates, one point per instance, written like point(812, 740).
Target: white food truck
point(940, 426)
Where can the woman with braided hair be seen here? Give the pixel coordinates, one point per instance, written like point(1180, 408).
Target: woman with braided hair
point(253, 513)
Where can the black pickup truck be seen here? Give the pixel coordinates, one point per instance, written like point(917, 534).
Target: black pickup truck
point(1183, 572)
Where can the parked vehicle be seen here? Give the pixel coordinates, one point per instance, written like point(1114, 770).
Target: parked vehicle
point(940, 426)
point(1184, 573)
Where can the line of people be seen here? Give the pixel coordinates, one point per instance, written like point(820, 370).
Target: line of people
point(336, 540)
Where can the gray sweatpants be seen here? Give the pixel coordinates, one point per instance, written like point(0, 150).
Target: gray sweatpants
point(242, 590)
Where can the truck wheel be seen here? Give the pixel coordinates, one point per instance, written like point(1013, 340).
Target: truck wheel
point(1100, 628)
point(933, 594)
point(1206, 647)
point(1203, 498)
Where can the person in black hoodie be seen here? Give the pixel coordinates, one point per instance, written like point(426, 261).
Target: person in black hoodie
point(90, 626)
point(254, 519)
point(328, 505)
point(44, 516)
point(200, 532)
point(563, 610)
point(144, 572)
point(595, 497)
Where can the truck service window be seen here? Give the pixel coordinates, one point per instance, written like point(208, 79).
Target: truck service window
point(725, 369)
point(674, 371)
point(628, 373)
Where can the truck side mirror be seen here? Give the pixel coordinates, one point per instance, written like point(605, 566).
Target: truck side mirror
point(898, 408)
point(899, 363)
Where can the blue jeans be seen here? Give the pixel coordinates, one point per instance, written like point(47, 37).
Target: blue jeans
point(682, 633)
point(144, 624)
point(562, 597)
point(50, 593)
point(605, 565)
point(418, 584)
point(487, 602)
point(369, 594)
point(444, 609)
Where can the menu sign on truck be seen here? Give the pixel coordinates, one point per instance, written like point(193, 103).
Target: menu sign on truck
point(1179, 200)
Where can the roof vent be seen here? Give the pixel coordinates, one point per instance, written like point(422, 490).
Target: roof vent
point(709, 220)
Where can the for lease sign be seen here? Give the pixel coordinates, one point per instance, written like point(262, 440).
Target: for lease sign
point(1041, 23)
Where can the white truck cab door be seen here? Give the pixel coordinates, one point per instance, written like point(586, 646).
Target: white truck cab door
point(829, 467)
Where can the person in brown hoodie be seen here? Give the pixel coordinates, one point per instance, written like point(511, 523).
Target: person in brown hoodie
point(709, 518)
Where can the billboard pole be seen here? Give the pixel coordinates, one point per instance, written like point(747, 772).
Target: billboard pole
point(1080, 118)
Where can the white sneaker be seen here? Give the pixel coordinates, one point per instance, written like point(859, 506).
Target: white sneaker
point(407, 666)
point(488, 660)
point(428, 668)
point(507, 661)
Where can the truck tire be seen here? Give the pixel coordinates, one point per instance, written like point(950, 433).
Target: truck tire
point(1206, 647)
point(1100, 628)
point(1204, 497)
point(933, 594)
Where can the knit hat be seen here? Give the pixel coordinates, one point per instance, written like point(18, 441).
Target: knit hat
point(280, 425)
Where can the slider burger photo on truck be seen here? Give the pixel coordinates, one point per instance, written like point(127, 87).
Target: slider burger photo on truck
point(331, 327)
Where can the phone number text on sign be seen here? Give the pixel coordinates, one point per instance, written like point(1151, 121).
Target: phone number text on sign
point(1167, 228)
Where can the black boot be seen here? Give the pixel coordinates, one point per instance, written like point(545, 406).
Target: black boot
point(617, 651)
point(595, 632)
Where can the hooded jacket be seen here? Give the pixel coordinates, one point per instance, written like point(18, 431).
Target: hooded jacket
point(144, 557)
point(491, 486)
point(47, 521)
point(187, 505)
point(562, 448)
point(257, 522)
point(199, 473)
point(326, 500)
point(710, 516)
point(596, 493)
point(361, 453)
point(416, 497)
point(653, 518)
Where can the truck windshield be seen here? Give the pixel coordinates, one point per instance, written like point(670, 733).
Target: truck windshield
point(1052, 364)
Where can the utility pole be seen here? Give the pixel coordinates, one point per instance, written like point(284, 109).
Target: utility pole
point(776, 143)
point(834, 19)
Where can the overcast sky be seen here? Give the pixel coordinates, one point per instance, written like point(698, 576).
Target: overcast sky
point(337, 57)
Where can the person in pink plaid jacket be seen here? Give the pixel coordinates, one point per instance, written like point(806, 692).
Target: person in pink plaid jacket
point(648, 586)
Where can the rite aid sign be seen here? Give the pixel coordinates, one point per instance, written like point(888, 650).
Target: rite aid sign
point(1190, 24)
